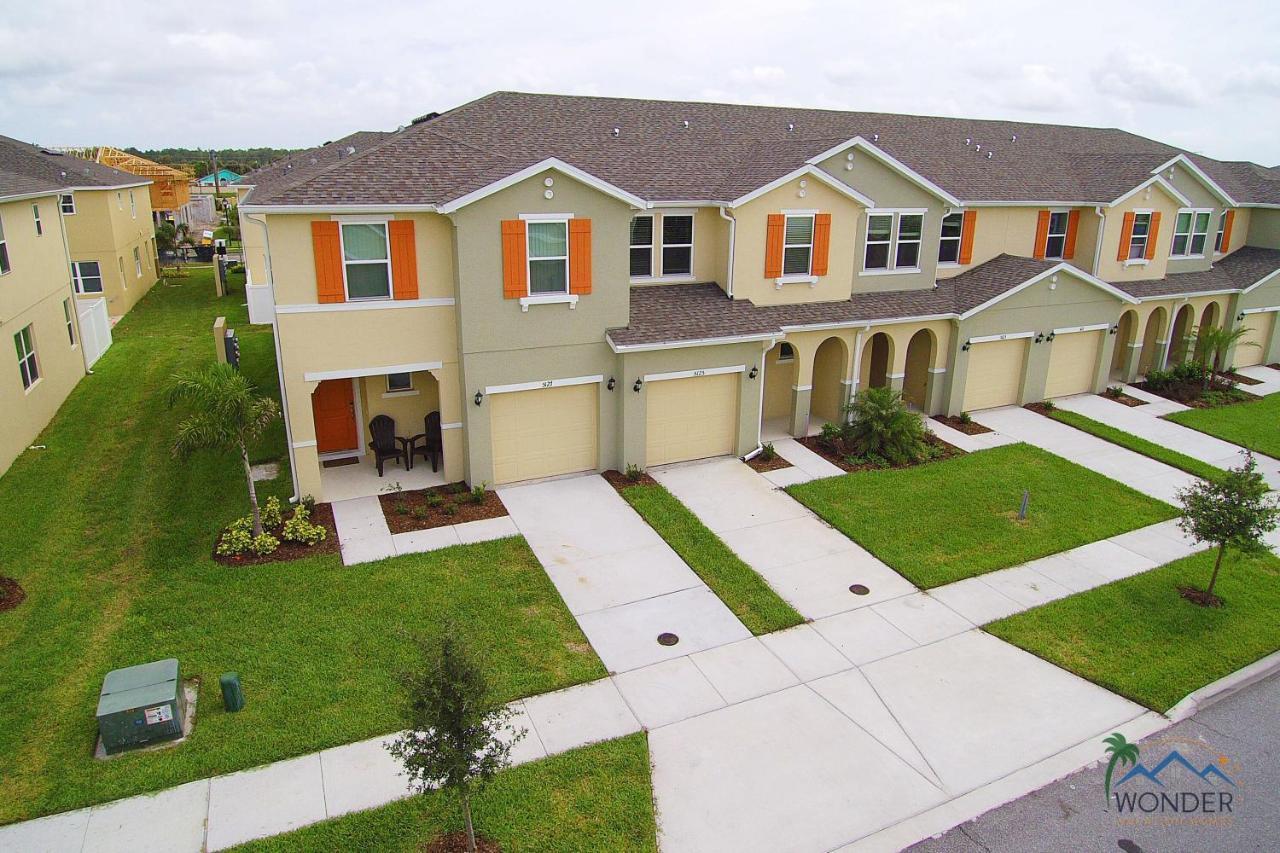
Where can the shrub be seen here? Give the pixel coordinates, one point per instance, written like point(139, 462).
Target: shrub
point(449, 508)
point(966, 418)
point(401, 508)
point(477, 494)
point(831, 436)
point(1049, 406)
point(634, 472)
point(767, 452)
point(272, 514)
point(420, 512)
point(300, 529)
point(309, 502)
point(236, 539)
point(433, 499)
point(881, 425)
point(1115, 392)
point(264, 544)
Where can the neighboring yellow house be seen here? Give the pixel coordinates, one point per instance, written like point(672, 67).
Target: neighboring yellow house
point(112, 242)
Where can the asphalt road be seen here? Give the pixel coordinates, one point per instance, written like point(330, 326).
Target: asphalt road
point(1070, 814)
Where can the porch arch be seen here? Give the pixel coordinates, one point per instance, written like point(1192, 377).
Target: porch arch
point(1153, 341)
point(917, 383)
point(1126, 332)
point(1179, 348)
point(877, 357)
point(829, 365)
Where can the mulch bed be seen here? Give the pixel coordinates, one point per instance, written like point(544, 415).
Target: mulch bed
point(1192, 394)
point(1242, 380)
point(1041, 409)
point(953, 421)
point(760, 464)
point(1275, 365)
point(818, 446)
point(456, 842)
point(322, 515)
point(11, 594)
point(1199, 596)
point(1124, 400)
point(620, 481)
point(412, 510)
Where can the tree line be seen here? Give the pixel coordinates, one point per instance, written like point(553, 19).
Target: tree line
point(239, 160)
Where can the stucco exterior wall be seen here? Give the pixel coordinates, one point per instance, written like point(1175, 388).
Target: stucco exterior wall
point(710, 246)
point(1152, 198)
point(106, 229)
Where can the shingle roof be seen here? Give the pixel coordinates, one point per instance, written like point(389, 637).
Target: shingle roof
point(300, 165)
point(26, 168)
point(668, 313)
point(1238, 270)
point(727, 150)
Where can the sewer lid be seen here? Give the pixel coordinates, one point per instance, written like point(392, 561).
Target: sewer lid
point(859, 589)
point(666, 638)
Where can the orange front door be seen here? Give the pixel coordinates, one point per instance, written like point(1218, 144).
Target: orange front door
point(334, 407)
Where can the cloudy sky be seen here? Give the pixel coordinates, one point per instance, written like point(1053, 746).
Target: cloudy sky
point(1205, 76)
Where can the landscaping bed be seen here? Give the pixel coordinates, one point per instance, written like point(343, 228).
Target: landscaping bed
point(1137, 444)
point(962, 423)
point(321, 514)
point(1123, 399)
point(1184, 383)
point(940, 523)
point(767, 460)
point(439, 506)
point(936, 450)
point(1251, 424)
point(1138, 637)
point(11, 594)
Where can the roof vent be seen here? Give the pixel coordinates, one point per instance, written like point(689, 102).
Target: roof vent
point(685, 124)
point(63, 173)
point(50, 152)
point(426, 117)
point(791, 127)
point(875, 137)
point(978, 148)
point(314, 161)
point(351, 149)
point(968, 140)
point(617, 131)
point(288, 167)
point(1013, 138)
point(989, 153)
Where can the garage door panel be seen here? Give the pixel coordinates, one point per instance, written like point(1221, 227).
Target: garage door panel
point(1259, 331)
point(691, 418)
point(994, 376)
point(544, 432)
point(1073, 363)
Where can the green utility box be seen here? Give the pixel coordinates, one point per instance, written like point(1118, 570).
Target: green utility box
point(141, 705)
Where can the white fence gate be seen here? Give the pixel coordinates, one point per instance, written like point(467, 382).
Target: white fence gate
point(95, 328)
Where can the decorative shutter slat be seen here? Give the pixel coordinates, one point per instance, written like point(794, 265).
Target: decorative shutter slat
point(1226, 231)
point(515, 270)
point(821, 242)
point(1042, 235)
point(1126, 234)
point(773, 245)
point(404, 259)
point(580, 256)
point(1153, 234)
point(326, 244)
point(968, 222)
point(1073, 225)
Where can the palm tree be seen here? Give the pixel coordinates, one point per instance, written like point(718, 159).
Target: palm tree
point(1121, 752)
point(1212, 343)
point(226, 415)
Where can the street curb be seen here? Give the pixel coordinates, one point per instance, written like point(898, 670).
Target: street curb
point(1224, 687)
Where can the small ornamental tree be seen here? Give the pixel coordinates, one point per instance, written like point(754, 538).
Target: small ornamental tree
point(455, 739)
point(1235, 511)
point(1212, 343)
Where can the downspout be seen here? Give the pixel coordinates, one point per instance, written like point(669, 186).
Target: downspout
point(1097, 247)
point(75, 301)
point(733, 228)
point(275, 335)
point(768, 345)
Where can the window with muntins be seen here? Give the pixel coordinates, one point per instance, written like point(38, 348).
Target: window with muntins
point(1055, 243)
point(366, 260)
point(949, 243)
point(1190, 233)
point(641, 246)
point(1138, 239)
point(677, 245)
point(67, 203)
point(797, 245)
point(35, 211)
point(548, 257)
point(910, 227)
point(1222, 229)
point(4, 251)
point(87, 276)
point(879, 241)
point(27, 365)
point(133, 205)
point(137, 262)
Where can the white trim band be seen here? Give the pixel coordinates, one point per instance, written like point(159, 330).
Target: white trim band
point(298, 445)
point(801, 387)
point(570, 299)
point(1096, 327)
point(357, 372)
point(937, 370)
point(986, 339)
point(371, 305)
point(688, 374)
point(1260, 310)
point(543, 383)
point(454, 425)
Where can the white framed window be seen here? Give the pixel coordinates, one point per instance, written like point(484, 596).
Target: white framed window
point(87, 276)
point(879, 241)
point(133, 205)
point(67, 204)
point(949, 242)
point(4, 251)
point(366, 260)
point(786, 352)
point(398, 383)
point(35, 211)
point(548, 241)
point(1222, 230)
point(28, 366)
point(137, 262)
point(893, 241)
point(1190, 233)
point(1055, 243)
point(677, 245)
point(642, 247)
point(797, 244)
point(120, 263)
point(1138, 239)
point(119, 201)
point(910, 229)
point(71, 326)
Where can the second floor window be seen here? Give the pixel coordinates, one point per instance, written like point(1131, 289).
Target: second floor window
point(1190, 233)
point(1138, 239)
point(87, 276)
point(949, 244)
point(27, 364)
point(641, 246)
point(4, 251)
point(1222, 230)
point(67, 203)
point(1055, 244)
point(366, 260)
point(677, 245)
point(35, 211)
point(797, 249)
point(548, 257)
point(133, 205)
point(893, 241)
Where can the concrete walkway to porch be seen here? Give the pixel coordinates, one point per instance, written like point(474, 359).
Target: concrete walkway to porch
point(365, 536)
point(1269, 376)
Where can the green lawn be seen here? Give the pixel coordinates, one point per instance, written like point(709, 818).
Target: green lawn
point(110, 537)
point(949, 520)
point(744, 592)
point(1255, 425)
point(1128, 440)
point(1139, 638)
point(595, 798)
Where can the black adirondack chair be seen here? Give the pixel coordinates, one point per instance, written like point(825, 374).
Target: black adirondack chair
point(386, 444)
point(429, 443)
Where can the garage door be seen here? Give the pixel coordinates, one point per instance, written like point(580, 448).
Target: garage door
point(1259, 331)
point(1073, 363)
point(544, 432)
point(691, 418)
point(995, 374)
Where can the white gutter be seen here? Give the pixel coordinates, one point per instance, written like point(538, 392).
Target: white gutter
point(1097, 247)
point(699, 342)
point(733, 230)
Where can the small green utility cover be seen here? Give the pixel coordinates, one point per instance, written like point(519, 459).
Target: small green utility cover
point(136, 686)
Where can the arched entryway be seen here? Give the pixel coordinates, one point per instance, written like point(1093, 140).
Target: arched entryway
point(1152, 348)
point(1208, 320)
point(829, 366)
point(779, 378)
point(1126, 329)
point(917, 379)
point(877, 355)
point(1178, 343)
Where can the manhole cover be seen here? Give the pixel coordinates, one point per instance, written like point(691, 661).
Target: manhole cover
point(859, 589)
point(666, 638)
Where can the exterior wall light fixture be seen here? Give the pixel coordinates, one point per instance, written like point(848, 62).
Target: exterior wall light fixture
point(1114, 329)
point(612, 382)
point(636, 387)
point(965, 347)
point(1039, 337)
point(1240, 317)
point(1051, 336)
point(755, 371)
point(479, 397)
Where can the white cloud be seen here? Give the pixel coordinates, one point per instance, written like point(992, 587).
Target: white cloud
point(1034, 88)
point(1262, 78)
point(759, 75)
point(1149, 79)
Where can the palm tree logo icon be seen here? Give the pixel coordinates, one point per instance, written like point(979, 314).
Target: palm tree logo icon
point(1121, 752)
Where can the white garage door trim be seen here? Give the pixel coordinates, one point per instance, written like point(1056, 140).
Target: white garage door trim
point(689, 374)
point(1096, 327)
point(1012, 336)
point(542, 383)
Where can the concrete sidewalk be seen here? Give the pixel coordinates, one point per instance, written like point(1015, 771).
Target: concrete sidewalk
point(1269, 376)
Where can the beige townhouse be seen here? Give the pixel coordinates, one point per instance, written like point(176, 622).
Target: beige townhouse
point(575, 284)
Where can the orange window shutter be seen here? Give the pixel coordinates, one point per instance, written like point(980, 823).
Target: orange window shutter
point(1226, 231)
point(404, 259)
point(773, 245)
point(326, 243)
point(580, 256)
point(515, 270)
point(1042, 235)
point(1073, 226)
point(967, 223)
point(821, 242)
point(1153, 234)
point(1126, 234)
